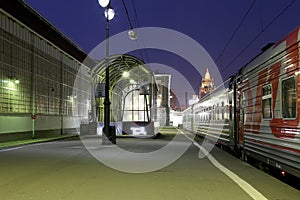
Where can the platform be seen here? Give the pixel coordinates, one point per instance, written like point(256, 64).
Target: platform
point(66, 169)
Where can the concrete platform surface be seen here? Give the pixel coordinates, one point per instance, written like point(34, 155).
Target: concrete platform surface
point(86, 169)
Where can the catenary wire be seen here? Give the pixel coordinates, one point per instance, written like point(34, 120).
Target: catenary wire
point(131, 26)
point(257, 36)
point(236, 30)
point(139, 25)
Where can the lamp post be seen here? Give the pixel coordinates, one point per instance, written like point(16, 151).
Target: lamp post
point(109, 132)
point(109, 136)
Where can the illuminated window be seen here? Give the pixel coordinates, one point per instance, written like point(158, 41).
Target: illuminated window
point(30, 65)
point(267, 102)
point(223, 110)
point(288, 91)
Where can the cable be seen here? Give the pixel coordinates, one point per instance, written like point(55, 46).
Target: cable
point(235, 31)
point(261, 16)
point(259, 34)
point(138, 24)
point(129, 21)
point(135, 13)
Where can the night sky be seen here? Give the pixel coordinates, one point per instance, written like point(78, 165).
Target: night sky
point(215, 24)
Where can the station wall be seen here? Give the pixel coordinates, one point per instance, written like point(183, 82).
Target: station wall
point(36, 83)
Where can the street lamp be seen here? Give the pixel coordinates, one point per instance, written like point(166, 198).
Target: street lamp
point(109, 13)
point(132, 34)
point(109, 133)
point(103, 3)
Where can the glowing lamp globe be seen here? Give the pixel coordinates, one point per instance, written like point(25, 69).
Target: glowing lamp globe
point(103, 3)
point(132, 34)
point(109, 13)
point(125, 74)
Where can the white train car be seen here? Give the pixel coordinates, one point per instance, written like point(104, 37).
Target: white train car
point(257, 114)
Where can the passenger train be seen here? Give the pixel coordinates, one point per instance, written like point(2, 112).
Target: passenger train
point(257, 113)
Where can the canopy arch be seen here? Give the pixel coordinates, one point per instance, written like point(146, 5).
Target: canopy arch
point(139, 82)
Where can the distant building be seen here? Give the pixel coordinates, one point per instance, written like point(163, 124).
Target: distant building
point(183, 107)
point(175, 118)
point(163, 82)
point(37, 72)
point(174, 103)
point(194, 99)
point(207, 84)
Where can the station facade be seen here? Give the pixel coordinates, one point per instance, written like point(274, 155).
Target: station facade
point(38, 66)
point(39, 72)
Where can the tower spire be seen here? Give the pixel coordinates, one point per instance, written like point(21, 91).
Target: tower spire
point(207, 84)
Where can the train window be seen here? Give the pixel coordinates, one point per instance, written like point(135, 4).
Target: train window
point(267, 102)
point(223, 110)
point(288, 95)
point(217, 112)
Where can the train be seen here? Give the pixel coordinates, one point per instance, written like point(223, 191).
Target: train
point(256, 112)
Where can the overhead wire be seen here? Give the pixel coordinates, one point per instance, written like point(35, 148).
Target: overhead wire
point(127, 14)
point(139, 25)
point(261, 16)
point(258, 35)
point(131, 25)
point(236, 30)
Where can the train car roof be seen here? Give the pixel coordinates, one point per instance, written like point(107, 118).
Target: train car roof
point(272, 49)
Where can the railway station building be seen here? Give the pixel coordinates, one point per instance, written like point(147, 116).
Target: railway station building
point(40, 69)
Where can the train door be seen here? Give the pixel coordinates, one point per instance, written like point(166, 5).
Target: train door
point(232, 117)
point(236, 115)
point(241, 101)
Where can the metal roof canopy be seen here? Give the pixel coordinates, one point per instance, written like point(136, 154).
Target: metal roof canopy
point(139, 78)
point(138, 71)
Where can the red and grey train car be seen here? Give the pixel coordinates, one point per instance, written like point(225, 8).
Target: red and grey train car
point(257, 111)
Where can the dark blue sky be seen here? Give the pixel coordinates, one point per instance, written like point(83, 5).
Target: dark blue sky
point(210, 22)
